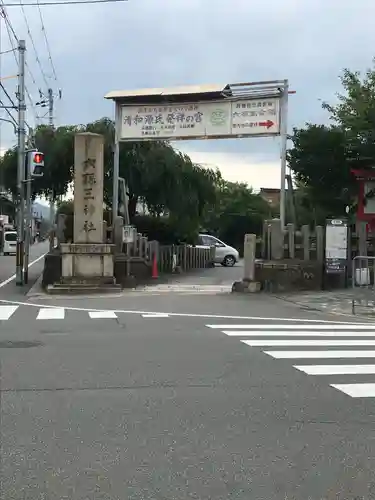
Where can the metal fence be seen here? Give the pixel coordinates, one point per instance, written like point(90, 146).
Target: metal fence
point(363, 281)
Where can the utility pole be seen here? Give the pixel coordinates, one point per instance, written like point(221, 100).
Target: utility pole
point(21, 162)
point(51, 204)
point(48, 101)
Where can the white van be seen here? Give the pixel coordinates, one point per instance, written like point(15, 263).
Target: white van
point(224, 254)
point(9, 242)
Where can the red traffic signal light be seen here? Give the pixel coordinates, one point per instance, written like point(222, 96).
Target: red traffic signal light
point(35, 160)
point(39, 158)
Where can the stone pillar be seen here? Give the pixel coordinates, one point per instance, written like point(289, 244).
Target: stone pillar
point(88, 188)
point(249, 257)
point(277, 240)
point(60, 228)
point(248, 284)
point(89, 259)
point(117, 228)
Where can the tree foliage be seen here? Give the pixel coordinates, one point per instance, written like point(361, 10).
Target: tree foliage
point(355, 112)
point(58, 147)
point(318, 160)
point(164, 179)
point(322, 156)
point(237, 211)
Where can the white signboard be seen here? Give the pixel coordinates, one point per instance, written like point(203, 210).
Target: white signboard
point(128, 234)
point(336, 241)
point(219, 119)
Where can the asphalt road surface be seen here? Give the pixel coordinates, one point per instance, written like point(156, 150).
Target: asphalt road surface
point(179, 394)
point(8, 269)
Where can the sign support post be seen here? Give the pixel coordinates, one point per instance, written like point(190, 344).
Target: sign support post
point(116, 164)
point(284, 139)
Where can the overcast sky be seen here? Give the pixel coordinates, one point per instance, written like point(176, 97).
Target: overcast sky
point(161, 43)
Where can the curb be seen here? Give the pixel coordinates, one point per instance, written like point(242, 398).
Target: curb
point(36, 289)
point(317, 308)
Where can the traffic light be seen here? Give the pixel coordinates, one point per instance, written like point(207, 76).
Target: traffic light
point(35, 161)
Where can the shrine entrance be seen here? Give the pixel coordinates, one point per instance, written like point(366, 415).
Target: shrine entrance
point(239, 110)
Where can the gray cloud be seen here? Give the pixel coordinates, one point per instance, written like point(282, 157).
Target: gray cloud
point(145, 43)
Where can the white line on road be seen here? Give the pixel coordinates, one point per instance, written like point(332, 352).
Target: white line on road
point(306, 343)
point(49, 313)
point(102, 315)
point(320, 354)
point(155, 315)
point(3, 283)
point(6, 312)
point(254, 333)
point(188, 315)
point(356, 390)
point(343, 326)
point(337, 369)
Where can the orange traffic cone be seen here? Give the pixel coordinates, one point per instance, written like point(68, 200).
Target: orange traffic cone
point(154, 267)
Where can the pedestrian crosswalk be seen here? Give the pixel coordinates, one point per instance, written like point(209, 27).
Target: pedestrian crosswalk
point(9, 312)
point(328, 350)
point(28, 312)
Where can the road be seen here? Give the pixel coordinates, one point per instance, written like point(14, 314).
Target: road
point(180, 395)
point(8, 269)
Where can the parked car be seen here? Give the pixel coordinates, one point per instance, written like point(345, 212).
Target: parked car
point(9, 242)
point(224, 254)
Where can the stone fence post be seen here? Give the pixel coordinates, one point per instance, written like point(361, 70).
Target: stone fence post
point(248, 283)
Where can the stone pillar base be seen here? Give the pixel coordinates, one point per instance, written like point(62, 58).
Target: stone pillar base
point(87, 262)
point(246, 286)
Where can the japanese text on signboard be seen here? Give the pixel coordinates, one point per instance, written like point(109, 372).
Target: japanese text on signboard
point(223, 118)
point(155, 120)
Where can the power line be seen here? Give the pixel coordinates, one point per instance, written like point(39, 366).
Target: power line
point(13, 104)
point(7, 51)
point(47, 42)
point(66, 2)
point(33, 44)
point(11, 32)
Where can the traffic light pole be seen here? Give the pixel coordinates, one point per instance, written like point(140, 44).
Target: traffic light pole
point(28, 224)
point(20, 162)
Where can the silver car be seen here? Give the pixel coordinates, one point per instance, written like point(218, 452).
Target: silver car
point(225, 255)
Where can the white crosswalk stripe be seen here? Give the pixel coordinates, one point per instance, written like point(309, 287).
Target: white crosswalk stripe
point(325, 342)
point(6, 312)
point(50, 313)
point(102, 315)
point(10, 312)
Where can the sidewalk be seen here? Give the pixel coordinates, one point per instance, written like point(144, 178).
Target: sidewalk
point(335, 302)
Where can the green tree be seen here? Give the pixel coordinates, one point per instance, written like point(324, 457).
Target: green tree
point(58, 147)
point(318, 159)
point(355, 113)
point(165, 180)
point(237, 211)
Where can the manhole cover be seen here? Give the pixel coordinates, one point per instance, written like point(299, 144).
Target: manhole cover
point(20, 344)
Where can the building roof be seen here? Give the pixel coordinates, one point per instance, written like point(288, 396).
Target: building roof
point(270, 190)
point(184, 93)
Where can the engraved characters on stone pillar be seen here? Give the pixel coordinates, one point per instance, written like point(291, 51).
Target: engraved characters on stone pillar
point(88, 188)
